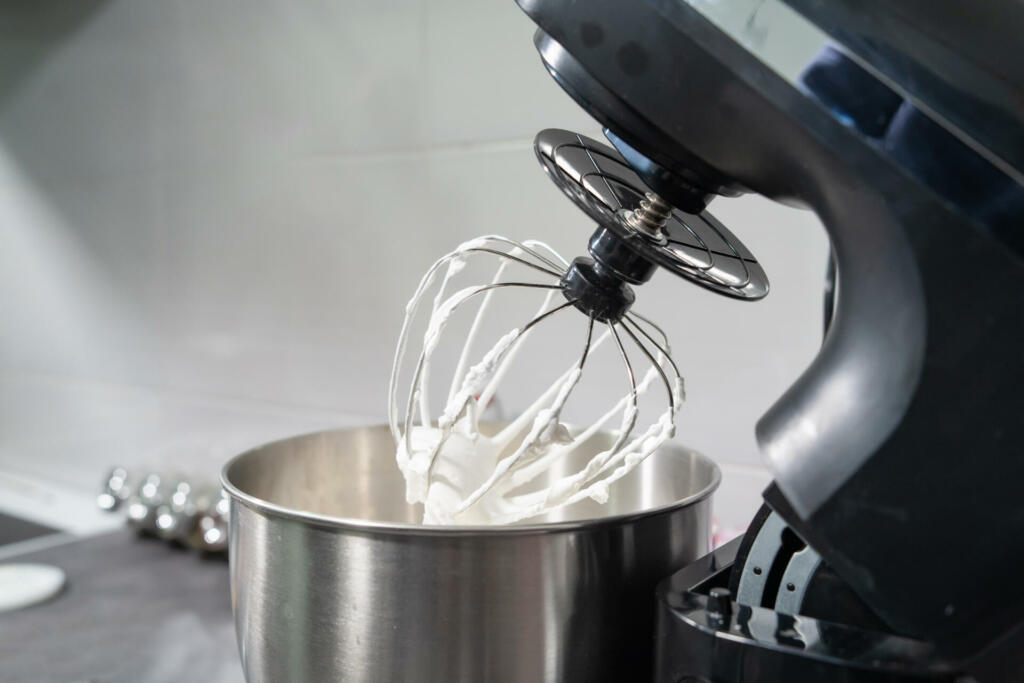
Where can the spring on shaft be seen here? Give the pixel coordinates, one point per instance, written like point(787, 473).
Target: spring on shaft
point(651, 216)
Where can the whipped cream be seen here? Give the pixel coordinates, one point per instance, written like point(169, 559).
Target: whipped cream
point(464, 476)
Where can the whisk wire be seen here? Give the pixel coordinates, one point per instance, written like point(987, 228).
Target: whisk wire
point(655, 364)
point(487, 393)
point(631, 410)
point(508, 354)
point(526, 247)
point(512, 257)
point(466, 403)
point(596, 465)
point(531, 247)
point(540, 425)
point(474, 329)
point(418, 376)
point(663, 350)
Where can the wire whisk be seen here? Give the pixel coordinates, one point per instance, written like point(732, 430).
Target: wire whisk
point(466, 472)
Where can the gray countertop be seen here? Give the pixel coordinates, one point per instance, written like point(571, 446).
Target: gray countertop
point(133, 611)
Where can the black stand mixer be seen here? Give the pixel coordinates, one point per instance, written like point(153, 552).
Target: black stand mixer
point(892, 538)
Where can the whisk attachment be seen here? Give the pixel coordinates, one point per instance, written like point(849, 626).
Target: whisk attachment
point(466, 474)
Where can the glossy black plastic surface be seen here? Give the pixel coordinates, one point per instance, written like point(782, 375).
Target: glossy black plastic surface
point(897, 454)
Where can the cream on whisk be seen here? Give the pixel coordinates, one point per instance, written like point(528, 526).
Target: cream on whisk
point(465, 476)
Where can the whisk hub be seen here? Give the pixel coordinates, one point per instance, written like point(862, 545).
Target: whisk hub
point(597, 292)
point(627, 264)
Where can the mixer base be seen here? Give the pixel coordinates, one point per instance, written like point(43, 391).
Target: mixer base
point(703, 636)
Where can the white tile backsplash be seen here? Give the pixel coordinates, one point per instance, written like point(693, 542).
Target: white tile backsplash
point(484, 78)
point(212, 214)
point(165, 87)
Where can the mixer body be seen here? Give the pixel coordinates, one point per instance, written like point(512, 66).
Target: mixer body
point(897, 456)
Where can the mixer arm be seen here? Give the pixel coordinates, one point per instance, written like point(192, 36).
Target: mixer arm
point(816, 435)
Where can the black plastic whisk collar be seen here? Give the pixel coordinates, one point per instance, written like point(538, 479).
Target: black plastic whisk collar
point(599, 286)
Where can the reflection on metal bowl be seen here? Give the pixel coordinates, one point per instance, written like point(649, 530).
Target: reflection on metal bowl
point(333, 578)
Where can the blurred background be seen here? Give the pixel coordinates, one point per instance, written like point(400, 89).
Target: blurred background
point(212, 215)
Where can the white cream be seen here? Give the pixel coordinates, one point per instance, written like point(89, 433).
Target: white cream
point(463, 476)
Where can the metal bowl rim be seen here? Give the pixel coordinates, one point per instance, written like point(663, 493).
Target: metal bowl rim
point(364, 525)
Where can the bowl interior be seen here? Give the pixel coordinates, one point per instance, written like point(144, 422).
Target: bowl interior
point(351, 474)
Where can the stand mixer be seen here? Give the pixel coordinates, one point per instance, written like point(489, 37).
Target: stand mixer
point(893, 532)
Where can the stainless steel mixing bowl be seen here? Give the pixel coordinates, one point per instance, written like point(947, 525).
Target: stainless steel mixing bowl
point(334, 579)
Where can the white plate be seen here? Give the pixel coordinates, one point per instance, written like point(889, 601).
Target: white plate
point(26, 584)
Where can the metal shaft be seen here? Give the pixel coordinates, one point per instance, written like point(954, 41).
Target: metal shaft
point(651, 216)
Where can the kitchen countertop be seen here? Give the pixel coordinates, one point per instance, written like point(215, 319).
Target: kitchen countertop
point(15, 529)
point(133, 611)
